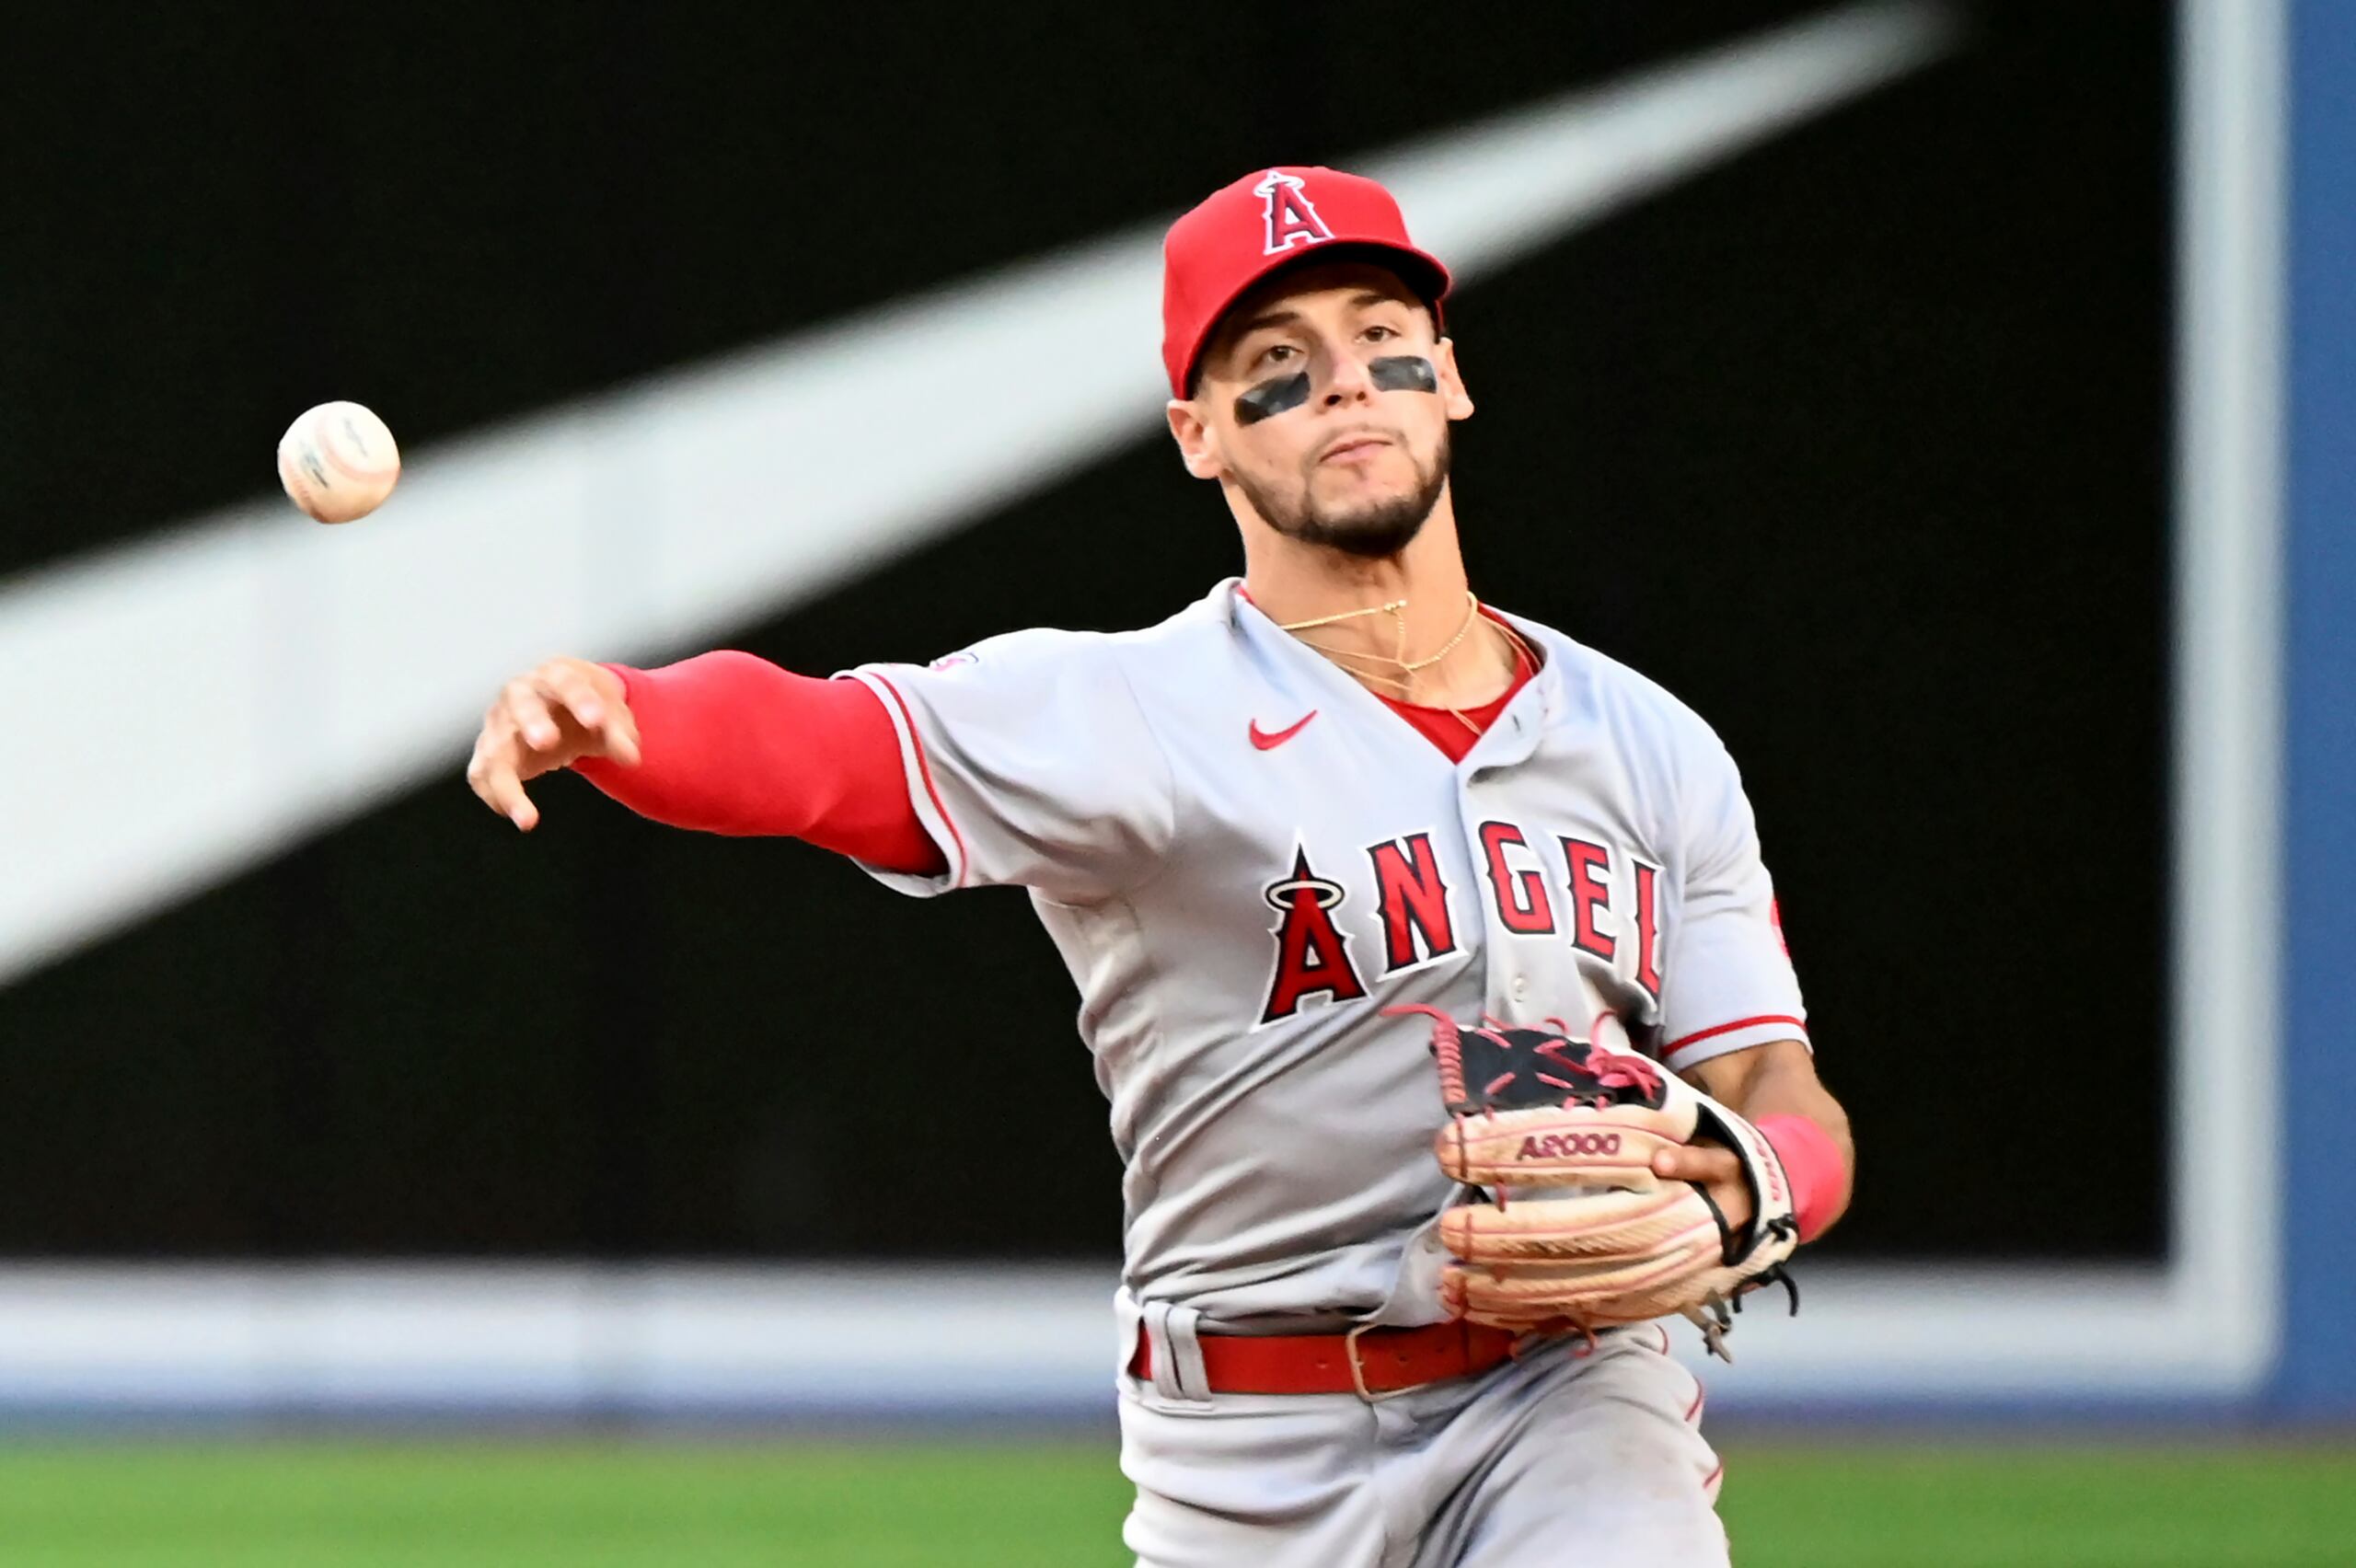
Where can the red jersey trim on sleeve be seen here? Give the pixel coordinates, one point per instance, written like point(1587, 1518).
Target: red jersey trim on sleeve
point(924, 772)
point(1799, 1031)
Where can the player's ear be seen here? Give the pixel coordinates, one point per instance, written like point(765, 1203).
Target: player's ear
point(1192, 434)
point(1453, 398)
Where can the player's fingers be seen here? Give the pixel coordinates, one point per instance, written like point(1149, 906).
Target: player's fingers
point(478, 764)
point(574, 690)
point(493, 777)
point(521, 706)
point(566, 688)
point(1688, 1162)
point(508, 799)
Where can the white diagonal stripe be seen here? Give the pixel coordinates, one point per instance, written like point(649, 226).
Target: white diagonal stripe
point(185, 706)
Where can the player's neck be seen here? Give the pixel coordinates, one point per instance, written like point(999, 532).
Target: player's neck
point(1316, 589)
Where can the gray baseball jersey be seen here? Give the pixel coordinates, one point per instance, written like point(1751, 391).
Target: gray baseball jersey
point(1244, 856)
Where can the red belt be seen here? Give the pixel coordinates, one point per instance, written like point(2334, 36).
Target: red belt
point(1364, 1361)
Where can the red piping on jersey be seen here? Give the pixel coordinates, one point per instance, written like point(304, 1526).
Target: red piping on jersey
point(924, 771)
point(1701, 1034)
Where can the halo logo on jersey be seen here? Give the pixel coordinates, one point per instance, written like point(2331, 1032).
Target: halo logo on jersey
point(1312, 955)
point(1288, 214)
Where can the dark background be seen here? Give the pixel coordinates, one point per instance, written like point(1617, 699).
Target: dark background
point(1859, 443)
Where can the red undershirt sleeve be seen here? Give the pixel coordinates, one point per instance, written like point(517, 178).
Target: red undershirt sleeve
point(732, 744)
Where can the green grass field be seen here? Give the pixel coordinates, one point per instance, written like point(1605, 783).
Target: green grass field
point(625, 1505)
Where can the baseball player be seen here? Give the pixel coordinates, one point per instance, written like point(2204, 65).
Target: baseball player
point(1426, 956)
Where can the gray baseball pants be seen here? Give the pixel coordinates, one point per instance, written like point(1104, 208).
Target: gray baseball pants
point(1585, 1458)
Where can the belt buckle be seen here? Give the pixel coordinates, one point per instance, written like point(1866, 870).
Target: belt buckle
point(1357, 1369)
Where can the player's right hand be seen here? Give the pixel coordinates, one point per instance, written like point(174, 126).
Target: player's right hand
point(549, 718)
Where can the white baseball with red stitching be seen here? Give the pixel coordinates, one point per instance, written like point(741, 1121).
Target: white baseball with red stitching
point(338, 462)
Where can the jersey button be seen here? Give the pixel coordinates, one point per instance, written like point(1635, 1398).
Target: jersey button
point(1520, 987)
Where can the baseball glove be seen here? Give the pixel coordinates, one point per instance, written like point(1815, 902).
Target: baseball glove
point(1579, 1232)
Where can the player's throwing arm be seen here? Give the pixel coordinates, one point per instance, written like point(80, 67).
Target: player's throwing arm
point(549, 717)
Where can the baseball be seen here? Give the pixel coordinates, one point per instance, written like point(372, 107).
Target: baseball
point(338, 462)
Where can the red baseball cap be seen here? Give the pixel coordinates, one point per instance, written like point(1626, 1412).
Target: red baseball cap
point(1243, 232)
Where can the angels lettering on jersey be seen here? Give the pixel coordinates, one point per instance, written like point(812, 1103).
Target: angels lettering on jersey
point(1602, 900)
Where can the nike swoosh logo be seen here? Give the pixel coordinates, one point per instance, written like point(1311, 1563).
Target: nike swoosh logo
point(1267, 741)
point(640, 492)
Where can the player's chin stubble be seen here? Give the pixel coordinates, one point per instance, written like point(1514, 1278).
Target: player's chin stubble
point(1373, 530)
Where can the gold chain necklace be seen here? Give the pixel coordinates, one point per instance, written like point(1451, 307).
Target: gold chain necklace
point(1398, 661)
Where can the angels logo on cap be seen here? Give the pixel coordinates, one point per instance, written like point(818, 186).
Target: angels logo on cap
point(1208, 261)
point(1288, 217)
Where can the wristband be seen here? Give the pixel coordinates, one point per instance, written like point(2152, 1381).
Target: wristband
point(1812, 1164)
